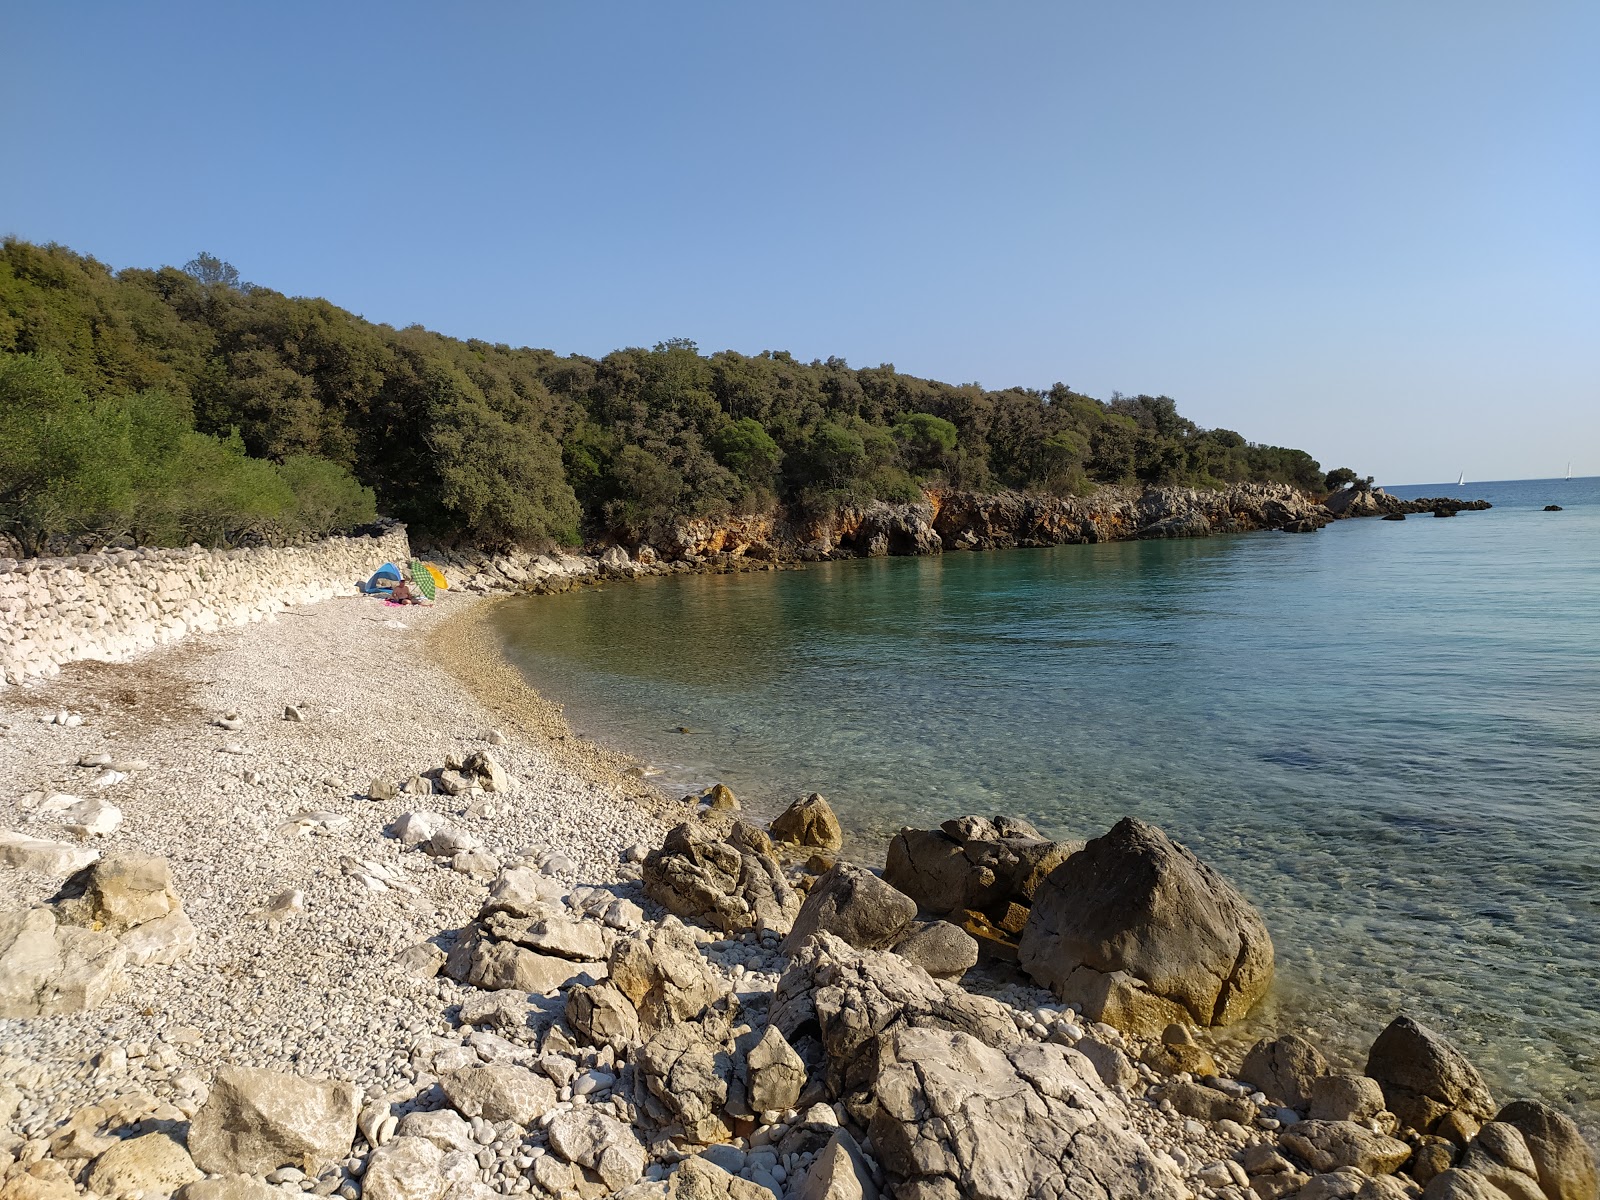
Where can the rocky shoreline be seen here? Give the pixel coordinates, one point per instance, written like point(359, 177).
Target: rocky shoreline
point(941, 523)
point(368, 920)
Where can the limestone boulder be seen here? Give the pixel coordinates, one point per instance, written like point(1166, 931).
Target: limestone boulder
point(134, 898)
point(1562, 1158)
point(854, 904)
point(498, 1092)
point(1141, 933)
point(728, 883)
point(992, 865)
point(42, 1181)
point(443, 1127)
point(1424, 1077)
point(775, 1073)
point(1497, 1164)
point(119, 893)
point(255, 1121)
point(153, 1163)
point(955, 1117)
point(700, 1179)
point(491, 776)
point(687, 1077)
point(1329, 1145)
point(839, 1172)
point(663, 975)
point(1345, 1098)
point(414, 1168)
point(548, 932)
point(851, 1000)
point(47, 969)
point(600, 1015)
point(1285, 1069)
point(809, 823)
point(160, 942)
point(943, 950)
point(483, 962)
point(604, 1145)
point(232, 1187)
point(521, 892)
point(42, 856)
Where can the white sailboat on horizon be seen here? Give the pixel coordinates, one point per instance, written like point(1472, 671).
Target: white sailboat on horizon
point(1462, 479)
point(1569, 470)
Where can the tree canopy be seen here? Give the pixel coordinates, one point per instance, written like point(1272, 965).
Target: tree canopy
point(473, 441)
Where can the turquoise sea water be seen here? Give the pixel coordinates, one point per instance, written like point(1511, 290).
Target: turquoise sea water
point(1387, 734)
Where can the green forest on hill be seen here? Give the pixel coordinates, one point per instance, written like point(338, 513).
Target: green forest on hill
point(169, 405)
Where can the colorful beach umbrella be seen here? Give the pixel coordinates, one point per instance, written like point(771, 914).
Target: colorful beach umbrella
point(422, 579)
point(439, 581)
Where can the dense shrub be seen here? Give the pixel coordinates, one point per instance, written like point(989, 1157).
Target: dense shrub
point(484, 442)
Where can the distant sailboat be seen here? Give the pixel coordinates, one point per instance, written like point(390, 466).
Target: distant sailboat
point(1569, 470)
point(1462, 479)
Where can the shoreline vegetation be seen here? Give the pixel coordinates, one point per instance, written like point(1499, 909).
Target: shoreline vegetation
point(437, 945)
point(118, 381)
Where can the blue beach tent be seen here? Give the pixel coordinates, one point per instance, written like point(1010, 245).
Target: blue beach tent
point(383, 580)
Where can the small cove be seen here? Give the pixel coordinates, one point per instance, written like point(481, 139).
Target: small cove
point(1387, 734)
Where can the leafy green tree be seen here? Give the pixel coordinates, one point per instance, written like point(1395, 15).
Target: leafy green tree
point(1338, 478)
point(926, 441)
point(834, 455)
point(499, 481)
point(61, 470)
point(747, 450)
point(327, 499)
point(647, 489)
point(211, 271)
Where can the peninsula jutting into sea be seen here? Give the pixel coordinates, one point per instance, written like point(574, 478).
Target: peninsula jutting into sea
point(1121, 885)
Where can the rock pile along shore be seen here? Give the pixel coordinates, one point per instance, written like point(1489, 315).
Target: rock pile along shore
point(355, 928)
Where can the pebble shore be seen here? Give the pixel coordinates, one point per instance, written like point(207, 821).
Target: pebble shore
point(248, 759)
point(311, 990)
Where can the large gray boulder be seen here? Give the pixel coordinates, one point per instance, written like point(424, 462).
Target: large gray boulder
point(1424, 1077)
point(1497, 1164)
point(809, 823)
point(853, 903)
point(775, 1074)
point(663, 975)
point(151, 1164)
point(851, 999)
point(731, 883)
point(1562, 1157)
point(498, 1092)
point(133, 897)
point(415, 1168)
point(255, 1121)
point(484, 962)
point(1329, 1145)
point(587, 1138)
point(955, 1117)
point(687, 1076)
point(839, 1172)
point(982, 864)
point(602, 1016)
point(48, 969)
point(549, 932)
point(1285, 1068)
point(1141, 933)
point(943, 950)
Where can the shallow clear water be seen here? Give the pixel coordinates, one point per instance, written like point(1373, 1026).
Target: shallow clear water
point(1387, 734)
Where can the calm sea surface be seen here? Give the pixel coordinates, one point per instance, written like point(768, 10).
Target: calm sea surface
point(1387, 734)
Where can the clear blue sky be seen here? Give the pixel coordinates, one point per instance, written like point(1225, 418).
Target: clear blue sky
point(1369, 228)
